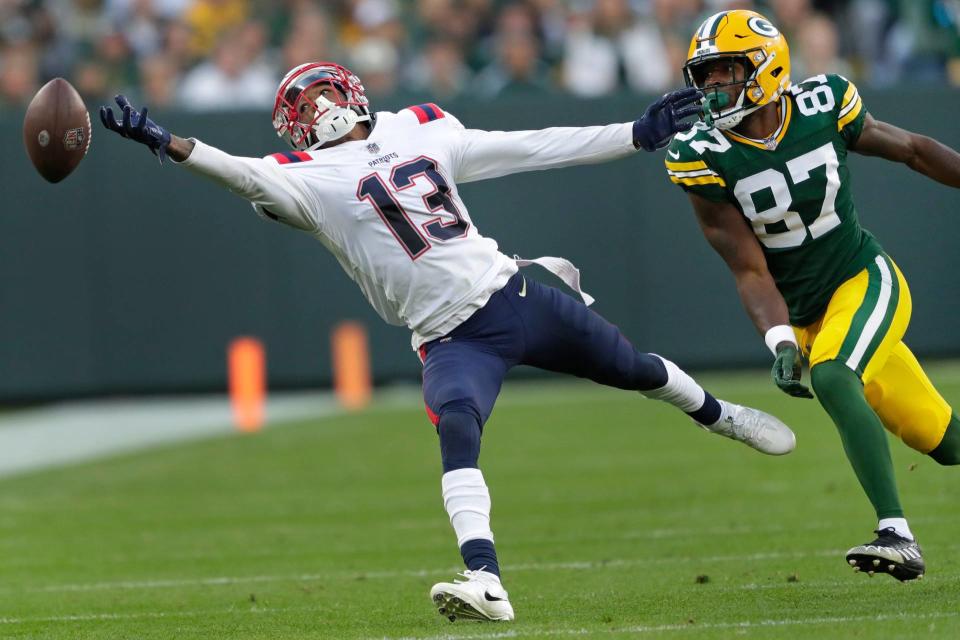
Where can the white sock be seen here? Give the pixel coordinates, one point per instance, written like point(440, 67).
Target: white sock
point(492, 577)
point(726, 408)
point(899, 525)
point(681, 390)
point(467, 501)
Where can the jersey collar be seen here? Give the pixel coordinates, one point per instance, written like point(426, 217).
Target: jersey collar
point(770, 143)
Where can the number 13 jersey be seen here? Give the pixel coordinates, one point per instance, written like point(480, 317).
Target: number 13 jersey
point(793, 188)
point(389, 210)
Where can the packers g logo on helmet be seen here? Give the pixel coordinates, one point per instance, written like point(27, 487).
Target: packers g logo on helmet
point(750, 39)
point(762, 26)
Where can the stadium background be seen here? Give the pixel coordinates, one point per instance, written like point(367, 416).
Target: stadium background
point(131, 278)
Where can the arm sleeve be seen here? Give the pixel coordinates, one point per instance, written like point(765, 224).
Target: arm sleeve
point(491, 154)
point(272, 191)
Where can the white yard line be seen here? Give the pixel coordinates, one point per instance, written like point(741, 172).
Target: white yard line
point(149, 615)
point(583, 565)
point(665, 628)
point(507, 633)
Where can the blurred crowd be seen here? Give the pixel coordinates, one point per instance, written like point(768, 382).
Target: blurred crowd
point(208, 55)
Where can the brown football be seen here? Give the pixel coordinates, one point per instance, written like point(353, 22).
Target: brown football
point(56, 130)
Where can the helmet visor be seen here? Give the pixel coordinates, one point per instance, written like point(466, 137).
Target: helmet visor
point(296, 89)
point(719, 70)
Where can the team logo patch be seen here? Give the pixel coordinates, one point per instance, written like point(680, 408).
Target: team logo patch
point(373, 147)
point(73, 139)
point(761, 26)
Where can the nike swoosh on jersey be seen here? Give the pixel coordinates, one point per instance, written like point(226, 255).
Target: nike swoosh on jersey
point(674, 154)
point(523, 289)
point(490, 598)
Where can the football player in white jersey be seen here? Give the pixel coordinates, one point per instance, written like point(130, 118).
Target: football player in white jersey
point(379, 191)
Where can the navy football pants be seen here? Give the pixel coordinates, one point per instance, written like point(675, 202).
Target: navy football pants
point(524, 323)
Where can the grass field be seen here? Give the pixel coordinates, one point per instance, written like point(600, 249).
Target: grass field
point(615, 518)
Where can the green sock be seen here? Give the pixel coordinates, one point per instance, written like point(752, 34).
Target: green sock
point(840, 391)
point(948, 451)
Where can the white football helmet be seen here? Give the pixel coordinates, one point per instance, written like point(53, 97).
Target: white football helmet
point(331, 120)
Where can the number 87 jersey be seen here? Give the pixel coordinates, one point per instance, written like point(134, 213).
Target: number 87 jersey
point(793, 188)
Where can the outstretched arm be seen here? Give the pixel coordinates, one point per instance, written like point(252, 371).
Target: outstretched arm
point(921, 153)
point(272, 192)
point(179, 148)
point(730, 236)
point(491, 154)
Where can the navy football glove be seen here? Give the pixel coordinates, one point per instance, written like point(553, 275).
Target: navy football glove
point(786, 371)
point(665, 117)
point(137, 126)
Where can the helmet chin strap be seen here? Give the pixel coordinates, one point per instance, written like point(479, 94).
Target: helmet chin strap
point(335, 123)
point(733, 119)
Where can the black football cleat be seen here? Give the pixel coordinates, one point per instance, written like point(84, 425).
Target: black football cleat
point(889, 553)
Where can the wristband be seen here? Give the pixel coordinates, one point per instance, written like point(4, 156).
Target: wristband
point(776, 335)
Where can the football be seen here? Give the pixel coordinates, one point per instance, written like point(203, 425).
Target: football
point(56, 130)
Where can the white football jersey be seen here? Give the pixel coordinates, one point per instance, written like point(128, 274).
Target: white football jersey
point(388, 206)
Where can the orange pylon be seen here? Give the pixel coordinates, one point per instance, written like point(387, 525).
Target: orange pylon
point(247, 369)
point(351, 365)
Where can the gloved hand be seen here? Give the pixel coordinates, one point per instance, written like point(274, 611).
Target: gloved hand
point(666, 117)
point(137, 126)
point(786, 371)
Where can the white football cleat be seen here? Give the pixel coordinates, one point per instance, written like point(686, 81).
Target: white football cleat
point(753, 427)
point(479, 597)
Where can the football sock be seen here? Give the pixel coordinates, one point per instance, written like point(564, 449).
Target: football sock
point(898, 524)
point(948, 451)
point(840, 391)
point(683, 392)
point(710, 413)
point(480, 554)
point(467, 501)
point(459, 440)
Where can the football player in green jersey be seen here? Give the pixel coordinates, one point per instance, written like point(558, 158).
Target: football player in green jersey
point(767, 176)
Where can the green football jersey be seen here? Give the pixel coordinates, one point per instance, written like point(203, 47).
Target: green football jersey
point(793, 188)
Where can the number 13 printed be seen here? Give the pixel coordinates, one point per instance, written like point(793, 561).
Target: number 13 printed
point(375, 191)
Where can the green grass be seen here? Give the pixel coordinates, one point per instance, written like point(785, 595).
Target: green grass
point(614, 516)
